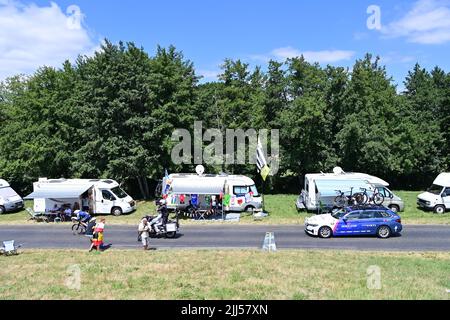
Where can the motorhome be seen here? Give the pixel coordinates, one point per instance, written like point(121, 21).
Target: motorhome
point(320, 189)
point(98, 196)
point(437, 198)
point(9, 199)
point(181, 190)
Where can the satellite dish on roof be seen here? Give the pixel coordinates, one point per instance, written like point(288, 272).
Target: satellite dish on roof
point(338, 171)
point(200, 170)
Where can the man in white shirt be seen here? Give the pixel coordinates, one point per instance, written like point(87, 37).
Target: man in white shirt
point(144, 230)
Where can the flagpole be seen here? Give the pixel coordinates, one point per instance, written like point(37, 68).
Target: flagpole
point(263, 192)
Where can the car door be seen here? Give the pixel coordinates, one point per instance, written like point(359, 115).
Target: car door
point(368, 222)
point(348, 225)
point(106, 202)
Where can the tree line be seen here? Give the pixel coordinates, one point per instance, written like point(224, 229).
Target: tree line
point(112, 115)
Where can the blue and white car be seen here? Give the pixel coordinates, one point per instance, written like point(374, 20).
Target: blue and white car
point(355, 221)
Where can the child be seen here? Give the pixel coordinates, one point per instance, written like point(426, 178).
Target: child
point(98, 236)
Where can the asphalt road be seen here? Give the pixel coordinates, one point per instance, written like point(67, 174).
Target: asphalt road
point(413, 238)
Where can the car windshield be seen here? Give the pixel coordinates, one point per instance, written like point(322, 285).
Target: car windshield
point(435, 189)
point(339, 214)
point(254, 190)
point(119, 192)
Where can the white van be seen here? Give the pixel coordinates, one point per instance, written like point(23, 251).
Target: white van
point(320, 189)
point(9, 199)
point(180, 188)
point(437, 198)
point(98, 196)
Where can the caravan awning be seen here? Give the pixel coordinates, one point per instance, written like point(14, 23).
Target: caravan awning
point(54, 193)
point(328, 188)
point(187, 186)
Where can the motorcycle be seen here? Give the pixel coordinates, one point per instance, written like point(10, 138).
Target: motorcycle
point(168, 229)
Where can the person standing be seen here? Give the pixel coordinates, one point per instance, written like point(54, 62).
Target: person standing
point(85, 202)
point(144, 232)
point(98, 237)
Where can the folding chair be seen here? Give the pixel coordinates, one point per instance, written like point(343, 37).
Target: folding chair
point(9, 248)
point(38, 217)
point(201, 214)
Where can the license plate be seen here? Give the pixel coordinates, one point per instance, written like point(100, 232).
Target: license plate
point(171, 227)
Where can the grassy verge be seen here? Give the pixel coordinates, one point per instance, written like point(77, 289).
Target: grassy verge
point(281, 207)
point(223, 275)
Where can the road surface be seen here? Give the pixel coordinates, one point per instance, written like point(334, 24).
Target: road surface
point(413, 238)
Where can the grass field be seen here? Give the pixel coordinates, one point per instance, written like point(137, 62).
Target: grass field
point(281, 208)
point(223, 275)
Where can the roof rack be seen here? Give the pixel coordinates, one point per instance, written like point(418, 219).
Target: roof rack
point(366, 206)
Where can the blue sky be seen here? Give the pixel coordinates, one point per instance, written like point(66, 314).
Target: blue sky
point(334, 32)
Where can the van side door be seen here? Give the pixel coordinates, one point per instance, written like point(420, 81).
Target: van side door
point(106, 202)
point(446, 198)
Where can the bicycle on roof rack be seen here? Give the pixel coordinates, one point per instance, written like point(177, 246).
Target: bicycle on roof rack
point(343, 200)
point(375, 197)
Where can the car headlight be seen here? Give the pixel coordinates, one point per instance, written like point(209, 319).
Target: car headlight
point(312, 225)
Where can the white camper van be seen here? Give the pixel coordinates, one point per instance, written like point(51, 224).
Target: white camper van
point(320, 189)
point(181, 189)
point(9, 199)
point(437, 198)
point(98, 196)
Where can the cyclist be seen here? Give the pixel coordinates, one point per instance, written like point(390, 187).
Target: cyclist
point(83, 216)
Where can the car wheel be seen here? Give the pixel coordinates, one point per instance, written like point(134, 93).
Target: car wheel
point(384, 232)
point(2, 210)
point(116, 211)
point(394, 208)
point(439, 209)
point(325, 232)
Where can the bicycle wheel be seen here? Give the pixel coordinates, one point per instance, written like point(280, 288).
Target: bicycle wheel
point(340, 201)
point(78, 229)
point(365, 199)
point(378, 199)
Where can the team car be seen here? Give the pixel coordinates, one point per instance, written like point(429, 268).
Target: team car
point(355, 221)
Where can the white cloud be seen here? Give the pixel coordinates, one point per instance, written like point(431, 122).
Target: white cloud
point(32, 36)
point(428, 22)
point(326, 56)
point(208, 75)
point(396, 58)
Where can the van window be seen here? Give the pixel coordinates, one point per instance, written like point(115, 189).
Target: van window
point(446, 192)
point(7, 192)
point(254, 190)
point(108, 195)
point(119, 192)
point(435, 189)
point(240, 190)
point(385, 192)
point(382, 191)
